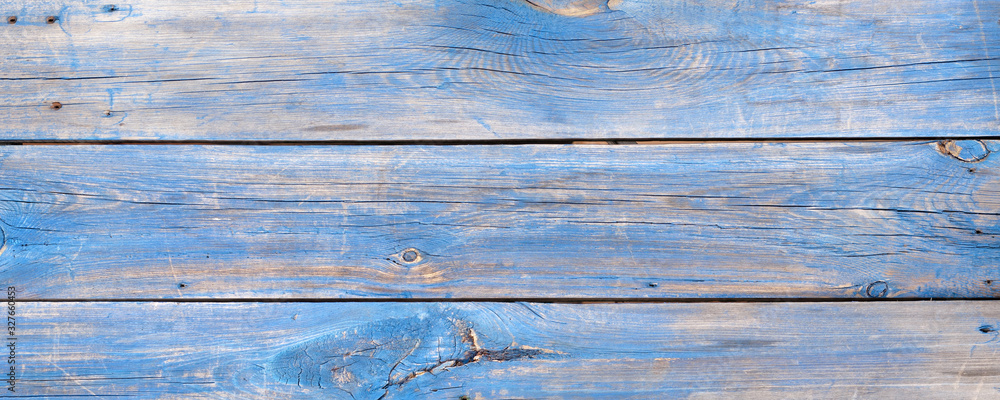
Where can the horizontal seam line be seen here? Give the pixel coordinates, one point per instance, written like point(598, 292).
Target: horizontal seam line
point(519, 300)
point(460, 142)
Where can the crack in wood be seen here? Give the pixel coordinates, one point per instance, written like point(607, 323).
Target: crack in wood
point(375, 360)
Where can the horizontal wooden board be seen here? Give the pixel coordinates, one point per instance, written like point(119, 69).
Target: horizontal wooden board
point(915, 350)
point(498, 69)
point(711, 220)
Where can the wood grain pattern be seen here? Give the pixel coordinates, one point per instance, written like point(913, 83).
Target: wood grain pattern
point(498, 69)
point(722, 220)
point(916, 350)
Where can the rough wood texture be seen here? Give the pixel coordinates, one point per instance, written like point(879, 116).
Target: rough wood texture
point(778, 220)
point(564, 261)
point(498, 69)
point(880, 350)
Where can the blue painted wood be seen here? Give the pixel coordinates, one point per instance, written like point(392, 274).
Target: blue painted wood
point(821, 221)
point(498, 69)
point(722, 220)
point(516, 350)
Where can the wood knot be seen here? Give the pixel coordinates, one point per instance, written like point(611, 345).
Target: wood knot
point(55, 105)
point(877, 289)
point(987, 329)
point(110, 8)
point(575, 8)
point(969, 151)
point(409, 256)
point(51, 19)
point(12, 19)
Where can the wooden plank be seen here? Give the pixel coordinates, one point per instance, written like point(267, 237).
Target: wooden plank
point(498, 69)
point(508, 350)
point(714, 220)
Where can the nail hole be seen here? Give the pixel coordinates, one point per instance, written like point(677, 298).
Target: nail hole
point(182, 285)
point(12, 19)
point(988, 281)
point(972, 170)
point(51, 19)
point(107, 113)
point(56, 105)
point(653, 284)
point(110, 8)
point(979, 231)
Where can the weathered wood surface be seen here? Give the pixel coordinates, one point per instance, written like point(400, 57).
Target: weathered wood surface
point(498, 69)
point(777, 220)
point(886, 350)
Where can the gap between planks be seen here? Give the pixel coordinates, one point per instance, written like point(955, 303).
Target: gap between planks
point(498, 142)
point(515, 300)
